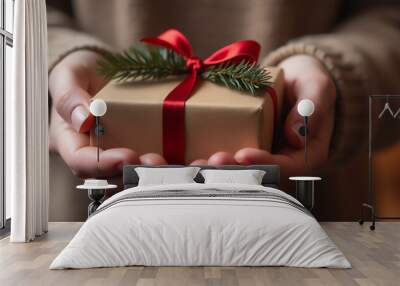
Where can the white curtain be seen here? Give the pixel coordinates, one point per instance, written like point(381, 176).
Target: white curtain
point(27, 153)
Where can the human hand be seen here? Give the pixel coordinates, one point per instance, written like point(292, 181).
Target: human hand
point(305, 77)
point(72, 83)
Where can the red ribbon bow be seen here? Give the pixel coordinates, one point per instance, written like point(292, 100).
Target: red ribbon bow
point(174, 103)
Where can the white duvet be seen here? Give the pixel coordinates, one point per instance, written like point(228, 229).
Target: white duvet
point(183, 231)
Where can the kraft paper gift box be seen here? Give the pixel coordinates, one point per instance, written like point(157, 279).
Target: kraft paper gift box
point(216, 118)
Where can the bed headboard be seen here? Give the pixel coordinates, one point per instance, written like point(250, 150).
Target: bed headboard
point(271, 177)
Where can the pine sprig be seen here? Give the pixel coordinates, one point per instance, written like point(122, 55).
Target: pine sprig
point(243, 76)
point(144, 62)
point(141, 62)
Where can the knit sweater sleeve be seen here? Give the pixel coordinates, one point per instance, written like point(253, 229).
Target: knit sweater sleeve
point(64, 38)
point(362, 55)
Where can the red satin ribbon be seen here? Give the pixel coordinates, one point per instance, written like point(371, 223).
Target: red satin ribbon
point(174, 103)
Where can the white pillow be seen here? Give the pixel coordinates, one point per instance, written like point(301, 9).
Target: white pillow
point(164, 176)
point(248, 177)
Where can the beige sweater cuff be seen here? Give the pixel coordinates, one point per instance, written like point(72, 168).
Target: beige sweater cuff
point(351, 114)
point(64, 41)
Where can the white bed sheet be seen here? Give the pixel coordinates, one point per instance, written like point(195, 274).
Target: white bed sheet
point(200, 231)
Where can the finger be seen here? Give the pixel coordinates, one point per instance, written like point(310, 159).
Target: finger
point(248, 156)
point(81, 158)
point(68, 88)
point(111, 161)
point(289, 163)
point(199, 162)
point(73, 106)
point(222, 158)
point(71, 84)
point(152, 159)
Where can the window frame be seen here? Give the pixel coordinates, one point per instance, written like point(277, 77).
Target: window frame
point(6, 39)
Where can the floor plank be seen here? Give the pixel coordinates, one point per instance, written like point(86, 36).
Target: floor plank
point(375, 257)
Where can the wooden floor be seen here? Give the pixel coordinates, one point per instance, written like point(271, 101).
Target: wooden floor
point(375, 257)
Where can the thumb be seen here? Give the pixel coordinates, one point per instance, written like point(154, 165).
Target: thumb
point(69, 91)
point(73, 107)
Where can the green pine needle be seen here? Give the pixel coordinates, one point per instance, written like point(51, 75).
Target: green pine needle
point(146, 62)
point(141, 62)
point(243, 76)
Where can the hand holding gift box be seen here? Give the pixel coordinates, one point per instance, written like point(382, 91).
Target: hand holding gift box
point(185, 118)
point(304, 77)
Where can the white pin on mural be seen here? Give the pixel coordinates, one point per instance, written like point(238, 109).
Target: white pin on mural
point(98, 108)
point(305, 108)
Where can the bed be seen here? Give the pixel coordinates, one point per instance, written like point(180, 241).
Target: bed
point(198, 224)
